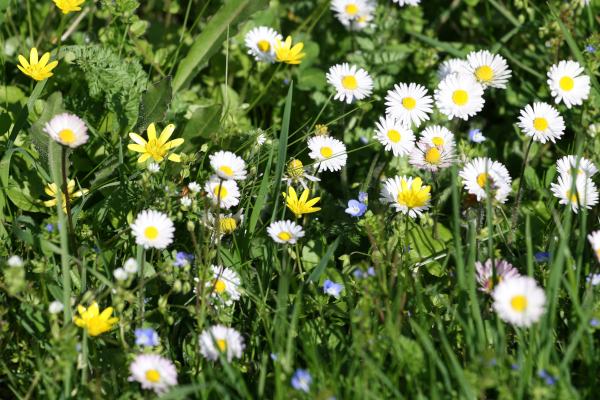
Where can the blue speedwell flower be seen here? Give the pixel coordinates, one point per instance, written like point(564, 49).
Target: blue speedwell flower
point(542, 256)
point(356, 208)
point(301, 380)
point(49, 227)
point(476, 136)
point(590, 48)
point(146, 337)
point(594, 322)
point(332, 288)
point(182, 259)
point(362, 197)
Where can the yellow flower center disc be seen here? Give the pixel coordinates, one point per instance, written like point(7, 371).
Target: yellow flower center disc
point(220, 286)
point(433, 156)
point(409, 103)
point(326, 152)
point(438, 141)
point(349, 82)
point(351, 9)
point(460, 97)
point(394, 135)
point(223, 191)
point(67, 136)
point(578, 172)
point(151, 232)
point(540, 124)
point(519, 303)
point(573, 197)
point(222, 344)
point(227, 225)
point(153, 375)
point(484, 73)
point(263, 45)
point(226, 170)
point(482, 178)
point(566, 83)
point(285, 236)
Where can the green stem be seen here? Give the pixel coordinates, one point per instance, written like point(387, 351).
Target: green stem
point(370, 174)
point(518, 199)
point(62, 28)
point(68, 204)
point(264, 90)
point(435, 206)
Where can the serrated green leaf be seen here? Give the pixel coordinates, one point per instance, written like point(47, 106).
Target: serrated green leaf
point(155, 103)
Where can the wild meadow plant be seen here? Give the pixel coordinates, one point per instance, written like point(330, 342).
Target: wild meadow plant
point(328, 199)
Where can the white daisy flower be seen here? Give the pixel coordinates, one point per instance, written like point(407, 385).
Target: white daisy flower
point(297, 173)
point(120, 274)
point(153, 372)
point(452, 66)
point(261, 42)
point(56, 307)
point(15, 261)
point(475, 178)
point(542, 122)
point(227, 190)
point(349, 83)
point(403, 3)
point(431, 158)
point(153, 229)
point(330, 153)
point(594, 239)
point(485, 273)
point(489, 70)
point(438, 136)
point(285, 232)
point(395, 136)
point(566, 83)
point(224, 284)
point(362, 22)
point(218, 339)
point(565, 165)
point(131, 266)
point(185, 201)
point(351, 10)
point(194, 187)
point(67, 129)
point(459, 96)
point(409, 103)
point(228, 166)
point(519, 301)
point(153, 168)
point(586, 193)
point(407, 195)
point(261, 139)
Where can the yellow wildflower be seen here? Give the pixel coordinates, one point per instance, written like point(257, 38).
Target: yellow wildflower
point(37, 69)
point(95, 321)
point(301, 206)
point(288, 54)
point(52, 191)
point(156, 148)
point(68, 5)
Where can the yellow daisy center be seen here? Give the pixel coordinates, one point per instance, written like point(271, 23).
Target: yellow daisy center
point(519, 303)
point(460, 97)
point(362, 19)
point(155, 148)
point(566, 83)
point(153, 375)
point(227, 225)
point(326, 152)
point(578, 172)
point(572, 196)
point(491, 282)
point(482, 178)
point(438, 141)
point(263, 45)
point(409, 103)
point(285, 236)
point(414, 196)
point(433, 156)
point(226, 170)
point(223, 191)
point(151, 232)
point(220, 286)
point(222, 344)
point(484, 73)
point(67, 136)
point(394, 135)
point(351, 9)
point(349, 82)
point(295, 169)
point(540, 124)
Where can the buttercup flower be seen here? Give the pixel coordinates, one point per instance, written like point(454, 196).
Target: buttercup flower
point(475, 179)
point(451, 66)
point(228, 166)
point(227, 190)
point(301, 380)
point(261, 43)
point(519, 301)
point(221, 339)
point(395, 136)
point(489, 70)
point(67, 129)
point(52, 191)
point(296, 173)
point(288, 54)
point(586, 194)
point(356, 208)
point(542, 122)
point(431, 158)
point(153, 229)
point(565, 165)
point(437, 135)
point(329, 153)
point(95, 322)
point(407, 195)
point(68, 5)
point(156, 148)
point(567, 84)
point(153, 372)
point(332, 288)
point(37, 69)
point(459, 96)
point(409, 103)
point(349, 83)
point(485, 273)
point(146, 337)
point(302, 205)
point(285, 232)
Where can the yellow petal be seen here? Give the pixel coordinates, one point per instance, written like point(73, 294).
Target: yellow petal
point(138, 139)
point(106, 313)
point(23, 61)
point(151, 132)
point(79, 322)
point(23, 70)
point(304, 196)
point(293, 195)
point(288, 42)
point(49, 203)
point(312, 202)
point(174, 143)
point(33, 56)
point(166, 134)
point(312, 209)
point(50, 66)
point(175, 158)
point(404, 186)
point(416, 185)
point(44, 60)
point(71, 186)
point(51, 190)
point(137, 147)
point(296, 49)
point(157, 158)
point(143, 157)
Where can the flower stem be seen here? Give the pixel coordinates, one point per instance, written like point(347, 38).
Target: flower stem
point(518, 199)
point(62, 28)
point(435, 207)
point(264, 90)
point(68, 204)
point(370, 173)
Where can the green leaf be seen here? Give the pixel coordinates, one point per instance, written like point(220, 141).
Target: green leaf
point(425, 249)
point(138, 28)
point(208, 42)
point(10, 94)
point(155, 103)
point(202, 125)
point(283, 140)
point(312, 79)
point(25, 188)
point(316, 274)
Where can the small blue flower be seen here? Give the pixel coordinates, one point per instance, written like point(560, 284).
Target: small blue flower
point(371, 271)
point(182, 259)
point(274, 357)
point(476, 136)
point(514, 366)
point(78, 347)
point(146, 337)
point(356, 208)
point(301, 380)
point(542, 256)
point(286, 81)
point(49, 227)
point(358, 273)
point(364, 140)
point(594, 322)
point(542, 373)
point(358, 312)
point(95, 249)
point(590, 48)
point(550, 381)
point(407, 313)
point(332, 288)
point(594, 279)
point(362, 197)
